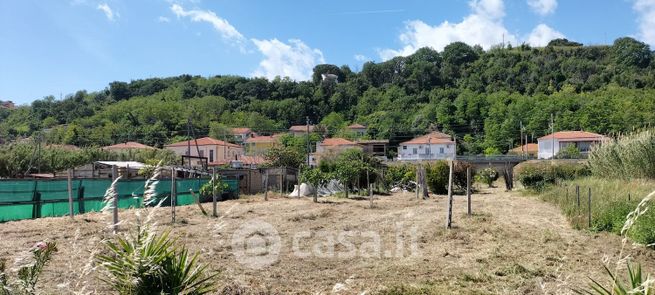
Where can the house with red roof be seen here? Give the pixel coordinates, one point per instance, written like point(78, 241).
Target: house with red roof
point(259, 145)
point(530, 149)
point(432, 146)
point(331, 146)
point(551, 144)
point(241, 134)
point(301, 129)
point(213, 149)
point(358, 129)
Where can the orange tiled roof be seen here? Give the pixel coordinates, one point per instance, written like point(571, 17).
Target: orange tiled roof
point(530, 148)
point(432, 137)
point(356, 126)
point(303, 128)
point(270, 138)
point(336, 142)
point(247, 160)
point(203, 141)
point(241, 130)
point(574, 136)
point(128, 145)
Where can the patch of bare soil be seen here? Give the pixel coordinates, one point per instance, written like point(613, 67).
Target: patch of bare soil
point(511, 245)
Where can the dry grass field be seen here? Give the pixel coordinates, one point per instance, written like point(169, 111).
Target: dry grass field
point(511, 245)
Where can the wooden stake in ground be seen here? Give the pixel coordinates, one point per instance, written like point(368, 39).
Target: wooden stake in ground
point(418, 175)
point(589, 207)
point(449, 220)
point(197, 200)
point(424, 183)
point(114, 175)
point(70, 194)
point(215, 210)
point(173, 194)
point(298, 180)
point(266, 186)
point(468, 190)
point(370, 192)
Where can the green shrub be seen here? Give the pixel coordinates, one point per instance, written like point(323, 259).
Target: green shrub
point(630, 156)
point(613, 218)
point(487, 176)
point(538, 175)
point(207, 189)
point(437, 177)
point(150, 263)
point(637, 283)
point(28, 274)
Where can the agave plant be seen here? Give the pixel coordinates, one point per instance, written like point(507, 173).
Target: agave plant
point(150, 263)
point(637, 285)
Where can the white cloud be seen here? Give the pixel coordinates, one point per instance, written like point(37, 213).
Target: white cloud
point(542, 34)
point(222, 26)
point(109, 13)
point(295, 60)
point(163, 19)
point(543, 7)
point(646, 11)
point(361, 58)
point(482, 27)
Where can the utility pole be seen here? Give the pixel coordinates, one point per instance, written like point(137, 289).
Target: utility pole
point(522, 145)
point(308, 145)
point(552, 137)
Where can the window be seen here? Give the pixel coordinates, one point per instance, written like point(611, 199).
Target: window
point(441, 150)
point(211, 155)
point(404, 147)
point(378, 148)
point(414, 151)
point(202, 153)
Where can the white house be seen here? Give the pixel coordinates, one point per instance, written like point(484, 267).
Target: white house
point(241, 134)
point(551, 144)
point(432, 146)
point(213, 149)
point(358, 129)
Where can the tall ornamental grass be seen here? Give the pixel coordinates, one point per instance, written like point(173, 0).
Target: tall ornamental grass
point(627, 157)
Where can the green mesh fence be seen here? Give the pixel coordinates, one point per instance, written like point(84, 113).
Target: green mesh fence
point(26, 199)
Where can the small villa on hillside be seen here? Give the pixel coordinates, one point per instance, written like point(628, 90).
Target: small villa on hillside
point(530, 150)
point(358, 129)
point(213, 149)
point(259, 145)
point(550, 145)
point(300, 129)
point(242, 134)
point(432, 146)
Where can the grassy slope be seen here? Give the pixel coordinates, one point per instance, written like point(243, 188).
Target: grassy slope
point(609, 204)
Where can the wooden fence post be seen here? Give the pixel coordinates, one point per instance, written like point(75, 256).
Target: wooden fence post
point(468, 189)
point(298, 180)
point(36, 200)
point(589, 205)
point(266, 186)
point(215, 211)
point(173, 193)
point(449, 220)
point(282, 176)
point(418, 174)
point(80, 198)
point(370, 192)
point(70, 194)
point(114, 175)
point(577, 195)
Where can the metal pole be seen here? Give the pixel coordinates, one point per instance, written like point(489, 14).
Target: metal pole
point(589, 207)
point(114, 175)
point(173, 194)
point(468, 189)
point(70, 194)
point(308, 146)
point(215, 211)
point(449, 221)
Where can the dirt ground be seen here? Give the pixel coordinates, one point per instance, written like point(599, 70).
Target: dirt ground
point(511, 245)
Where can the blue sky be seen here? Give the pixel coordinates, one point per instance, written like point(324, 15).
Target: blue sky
point(55, 47)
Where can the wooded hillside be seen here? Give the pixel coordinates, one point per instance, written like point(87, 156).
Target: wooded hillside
point(481, 96)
